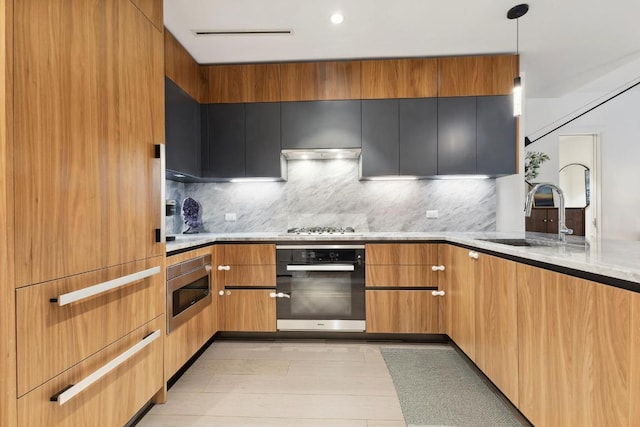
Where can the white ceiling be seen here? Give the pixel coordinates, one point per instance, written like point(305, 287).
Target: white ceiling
point(563, 43)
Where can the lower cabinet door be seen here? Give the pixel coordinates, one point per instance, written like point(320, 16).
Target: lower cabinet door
point(114, 397)
point(402, 311)
point(248, 310)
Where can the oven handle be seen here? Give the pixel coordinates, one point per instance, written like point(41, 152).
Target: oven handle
point(321, 267)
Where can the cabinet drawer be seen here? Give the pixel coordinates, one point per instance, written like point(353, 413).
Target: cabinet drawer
point(402, 312)
point(110, 401)
point(259, 254)
point(52, 338)
point(400, 275)
point(402, 254)
point(250, 275)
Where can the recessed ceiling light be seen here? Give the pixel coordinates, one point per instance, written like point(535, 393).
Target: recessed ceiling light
point(337, 18)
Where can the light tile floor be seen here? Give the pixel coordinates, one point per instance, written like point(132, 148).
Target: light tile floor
point(282, 383)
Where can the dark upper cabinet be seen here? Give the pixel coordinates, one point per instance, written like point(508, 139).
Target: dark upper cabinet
point(399, 137)
point(418, 136)
point(223, 148)
point(262, 140)
point(321, 124)
point(241, 140)
point(182, 131)
point(380, 138)
point(476, 135)
point(457, 135)
point(496, 145)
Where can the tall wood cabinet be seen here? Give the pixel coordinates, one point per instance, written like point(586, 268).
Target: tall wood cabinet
point(88, 111)
point(246, 278)
point(400, 279)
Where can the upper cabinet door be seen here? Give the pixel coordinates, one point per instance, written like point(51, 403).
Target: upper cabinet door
point(223, 148)
point(457, 135)
point(477, 75)
point(262, 140)
point(321, 124)
point(380, 138)
point(418, 137)
point(242, 83)
point(88, 107)
point(399, 78)
point(310, 81)
point(182, 129)
point(496, 133)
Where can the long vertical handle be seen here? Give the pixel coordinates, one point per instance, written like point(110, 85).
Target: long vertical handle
point(159, 171)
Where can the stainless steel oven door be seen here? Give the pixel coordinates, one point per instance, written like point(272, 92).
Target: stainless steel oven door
point(321, 295)
point(188, 289)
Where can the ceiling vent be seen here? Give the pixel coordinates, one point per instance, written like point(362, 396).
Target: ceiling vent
point(277, 32)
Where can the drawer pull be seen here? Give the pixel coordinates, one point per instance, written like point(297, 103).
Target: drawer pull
point(473, 255)
point(224, 268)
point(437, 267)
point(90, 291)
point(437, 293)
point(68, 393)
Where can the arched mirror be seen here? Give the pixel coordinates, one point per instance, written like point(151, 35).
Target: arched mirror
point(575, 181)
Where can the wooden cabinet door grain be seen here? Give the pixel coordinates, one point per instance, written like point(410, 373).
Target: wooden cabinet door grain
point(86, 122)
point(402, 311)
point(400, 78)
point(477, 75)
point(574, 350)
point(312, 81)
point(242, 83)
point(496, 321)
point(249, 310)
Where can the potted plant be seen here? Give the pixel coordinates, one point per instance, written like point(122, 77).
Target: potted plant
point(532, 162)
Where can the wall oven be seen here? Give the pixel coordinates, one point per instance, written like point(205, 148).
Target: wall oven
point(320, 287)
point(188, 289)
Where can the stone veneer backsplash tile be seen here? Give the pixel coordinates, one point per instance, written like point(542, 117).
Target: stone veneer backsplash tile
point(328, 192)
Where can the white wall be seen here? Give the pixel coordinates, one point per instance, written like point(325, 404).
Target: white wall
point(618, 123)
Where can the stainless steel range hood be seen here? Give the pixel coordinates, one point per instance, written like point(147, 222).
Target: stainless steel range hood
point(321, 153)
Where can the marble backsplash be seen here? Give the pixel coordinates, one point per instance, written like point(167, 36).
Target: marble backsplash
point(328, 192)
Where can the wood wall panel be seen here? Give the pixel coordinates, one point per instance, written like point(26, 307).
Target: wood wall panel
point(477, 75)
point(634, 399)
point(249, 254)
point(152, 9)
point(8, 407)
point(574, 350)
point(309, 81)
point(182, 69)
point(399, 78)
point(249, 310)
point(85, 326)
point(402, 312)
point(111, 401)
point(242, 83)
point(85, 126)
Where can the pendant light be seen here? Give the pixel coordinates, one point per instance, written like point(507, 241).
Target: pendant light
point(517, 12)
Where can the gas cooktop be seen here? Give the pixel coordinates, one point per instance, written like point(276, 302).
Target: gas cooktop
point(321, 230)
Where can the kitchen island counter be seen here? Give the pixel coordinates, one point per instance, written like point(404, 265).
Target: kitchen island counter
point(615, 259)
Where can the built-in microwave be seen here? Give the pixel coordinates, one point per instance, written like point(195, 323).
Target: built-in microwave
point(188, 289)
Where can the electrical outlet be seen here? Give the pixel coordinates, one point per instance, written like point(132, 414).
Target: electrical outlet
point(432, 214)
point(230, 217)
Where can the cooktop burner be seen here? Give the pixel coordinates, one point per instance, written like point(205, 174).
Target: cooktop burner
point(321, 230)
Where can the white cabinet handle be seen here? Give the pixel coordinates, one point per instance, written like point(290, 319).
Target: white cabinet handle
point(279, 295)
point(90, 291)
point(221, 293)
point(473, 254)
point(224, 267)
point(437, 267)
point(437, 293)
point(70, 392)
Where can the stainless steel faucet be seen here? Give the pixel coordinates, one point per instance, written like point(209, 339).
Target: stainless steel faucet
point(562, 217)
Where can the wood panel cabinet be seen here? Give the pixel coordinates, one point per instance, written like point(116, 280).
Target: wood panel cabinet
point(402, 266)
point(91, 120)
point(545, 220)
point(574, 350)
point(185, 340)
point(496, 320)
point(242, 83)
point(249, 310)
point(476, 135)
point(321, 124)
point(182, 130)
point(181, 68)
point(400, 78)
point(477, 75)
point(110, 401)
point(152, 9)
point(634, 384)
point(399, 137)
point(331, 80)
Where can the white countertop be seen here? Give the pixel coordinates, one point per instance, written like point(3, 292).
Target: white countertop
point(611, 258)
